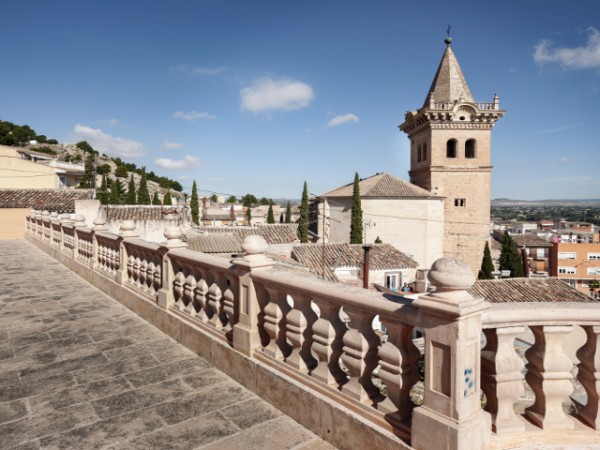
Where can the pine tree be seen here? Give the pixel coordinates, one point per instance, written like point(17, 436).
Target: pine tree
point(131, 194)
point(143, 194)
point(270, 214)
point(88, 181)
point(303, 222)
point(167, 201)
point(510, 257)
point(288, 213)
point(194, 205)
point(155, 199)
point(487, 266)
point(356, 224)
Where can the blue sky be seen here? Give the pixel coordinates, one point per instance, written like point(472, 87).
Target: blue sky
point(259, 96)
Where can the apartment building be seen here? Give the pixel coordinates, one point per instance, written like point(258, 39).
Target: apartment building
point(576, 263)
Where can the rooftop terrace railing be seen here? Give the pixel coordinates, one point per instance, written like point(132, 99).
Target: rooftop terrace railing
point(308, 346)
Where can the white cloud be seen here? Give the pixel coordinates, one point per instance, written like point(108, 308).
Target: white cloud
point(267, 94)
point(105, 143)
point(577, 180)
point(188, 162)
point(195, 71)
point(584, 57)
point(111, 122)
point(192, 116)
point(168, 145)
point(339, 120)
point(561, 160)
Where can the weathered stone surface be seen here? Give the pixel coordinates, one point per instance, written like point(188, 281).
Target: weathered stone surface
point(80, 371)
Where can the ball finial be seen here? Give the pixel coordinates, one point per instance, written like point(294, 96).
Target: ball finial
point(448, 40)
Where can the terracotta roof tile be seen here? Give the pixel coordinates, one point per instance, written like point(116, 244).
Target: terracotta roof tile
point(382, 257)
point(44, 199)
point(273, 234)
point(509, 290)
point(382, 185)
point(214, 243)
point(138, 213)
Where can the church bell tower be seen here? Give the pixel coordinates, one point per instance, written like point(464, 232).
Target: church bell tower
point(450, 139)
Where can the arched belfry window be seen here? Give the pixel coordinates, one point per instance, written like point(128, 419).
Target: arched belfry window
point(470, 148)
point(451, 148)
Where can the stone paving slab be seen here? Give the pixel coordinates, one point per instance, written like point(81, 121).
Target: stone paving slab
point(80, 371)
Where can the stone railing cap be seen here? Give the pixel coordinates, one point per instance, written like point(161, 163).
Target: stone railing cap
point(451, 274)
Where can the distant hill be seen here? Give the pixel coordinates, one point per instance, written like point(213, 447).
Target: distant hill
point(498, 202)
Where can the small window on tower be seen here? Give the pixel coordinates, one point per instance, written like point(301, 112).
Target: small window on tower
point(425, 151)
point(470, 147)
point(451, 148)
point(460, 202)
point(419, 153)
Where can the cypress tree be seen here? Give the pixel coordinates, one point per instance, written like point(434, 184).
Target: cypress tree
point(270, 214)
point(167, 201)
point(510, 257)
point(115, 193)
point(288, 213)
point(131, 194)
point(194, 204)
point(487, 266)
point(248, 216)
point(155, 199)
point(281, 218)
point(143, 194)
point(103, 194)
point(88, 181)
point(303, 222)
point(356, 224)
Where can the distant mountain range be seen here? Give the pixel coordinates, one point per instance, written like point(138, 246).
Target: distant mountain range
point(548, 202)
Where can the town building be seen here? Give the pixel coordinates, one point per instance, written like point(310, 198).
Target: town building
point(28, 169)
point(576, 263)
point(395, 211)
point(450, 149)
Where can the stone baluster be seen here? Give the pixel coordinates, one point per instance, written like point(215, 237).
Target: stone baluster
point(187, 296)
point(274, 324)
point(328, 334)
point(47, 227)
point(502, 378)
point(68, 237)
point(549, 376)
point(360, 356)
point(451, 416)
point(399, 371)
point(299, 322)
point(78, 222)
point(246, 336)
point(173, 235)
point(178, 288)
point(228, 305)
point(215, 303)
point(198, 309)
point(55, 234)
point(589, 375)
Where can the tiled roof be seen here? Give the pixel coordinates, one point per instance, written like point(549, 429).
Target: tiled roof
point(382, 185)
point(527, 240)
point(509, 290)
point(273, 234)
point(382, 257)
point(138, 213)
point(449, 84)
point(213, 243)
point(44, 199)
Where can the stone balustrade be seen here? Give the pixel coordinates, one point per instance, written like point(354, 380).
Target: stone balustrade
point(308, 346)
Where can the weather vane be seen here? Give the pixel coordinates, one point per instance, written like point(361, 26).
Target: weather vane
point(448, 31)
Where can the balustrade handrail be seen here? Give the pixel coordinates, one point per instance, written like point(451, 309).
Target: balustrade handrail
point(202, 259)
point(532, 314)
point(140, 243)
point(364, 300)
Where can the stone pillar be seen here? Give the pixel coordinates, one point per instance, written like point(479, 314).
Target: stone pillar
point(451, 416)
point(126, 230)
point(245, 332)
point(165, 294)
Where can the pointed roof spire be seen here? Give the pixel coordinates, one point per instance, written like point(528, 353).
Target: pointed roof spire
point(449, 84)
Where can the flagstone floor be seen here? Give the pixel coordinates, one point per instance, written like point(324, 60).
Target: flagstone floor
point(80, 371)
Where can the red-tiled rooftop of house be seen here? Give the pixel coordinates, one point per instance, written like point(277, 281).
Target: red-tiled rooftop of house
point(214, 243)
point(140, 213)
point(44, 199)
point(273, 234)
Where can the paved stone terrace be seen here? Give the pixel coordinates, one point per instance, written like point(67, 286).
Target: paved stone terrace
point(79, 370)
